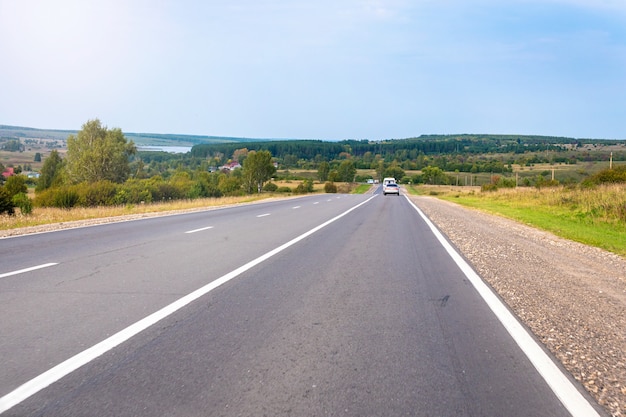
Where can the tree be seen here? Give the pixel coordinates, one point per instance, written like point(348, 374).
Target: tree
point(15, 184)
point(433, 175)
point(394, 171)
point(346, 171)
point(97, 154)
point(50, 172)
point(323, 171)
point(257, 169)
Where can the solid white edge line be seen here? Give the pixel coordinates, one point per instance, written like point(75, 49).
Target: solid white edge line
point(68, 366)
point(32, 268)
point(200, 230)
point(566, 392)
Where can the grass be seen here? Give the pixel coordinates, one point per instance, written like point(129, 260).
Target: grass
point(594, 216)
point(48, 215)
point(361, 189)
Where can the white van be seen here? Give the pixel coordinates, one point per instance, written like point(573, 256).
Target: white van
point(389, 180)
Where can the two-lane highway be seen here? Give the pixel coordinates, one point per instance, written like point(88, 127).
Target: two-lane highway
point(321, 305)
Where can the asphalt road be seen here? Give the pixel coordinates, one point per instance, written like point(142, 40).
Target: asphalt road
point(321, 305)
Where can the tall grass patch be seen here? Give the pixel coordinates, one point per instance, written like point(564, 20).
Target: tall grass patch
point(594, 216)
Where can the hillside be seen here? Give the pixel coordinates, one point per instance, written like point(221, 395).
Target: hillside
point(142, 139)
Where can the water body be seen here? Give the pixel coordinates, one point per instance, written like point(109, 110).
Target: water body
point(170, 149)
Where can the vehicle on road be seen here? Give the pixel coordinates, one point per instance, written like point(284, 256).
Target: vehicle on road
point(391, 188)
point(389, 180)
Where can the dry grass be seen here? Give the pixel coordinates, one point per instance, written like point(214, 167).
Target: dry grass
point(42, 216)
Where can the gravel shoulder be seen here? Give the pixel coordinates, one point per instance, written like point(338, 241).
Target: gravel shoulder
point(572, 296)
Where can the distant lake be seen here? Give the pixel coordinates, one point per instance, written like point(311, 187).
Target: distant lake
point(170, 149)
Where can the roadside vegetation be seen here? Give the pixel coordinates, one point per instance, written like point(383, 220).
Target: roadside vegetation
point(572, 187)
point(593, 215)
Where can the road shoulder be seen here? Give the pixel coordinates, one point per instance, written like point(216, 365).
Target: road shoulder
point(571, 296)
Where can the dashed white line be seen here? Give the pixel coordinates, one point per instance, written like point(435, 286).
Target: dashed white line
point(200, 230)
point(263, 215)
point(296, 207)
point(70, 365)
point(32, 268)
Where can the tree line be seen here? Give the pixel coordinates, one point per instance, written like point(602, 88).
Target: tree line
point(104, 167)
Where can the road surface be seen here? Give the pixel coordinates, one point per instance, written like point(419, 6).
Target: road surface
point(320, 305)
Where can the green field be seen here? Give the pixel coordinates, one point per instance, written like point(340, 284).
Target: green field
point(594, 216)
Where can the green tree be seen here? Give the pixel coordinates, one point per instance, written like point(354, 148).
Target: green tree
point(257, 169)
point(380, 170)
point(433, 175)
point(97, 153)
point(6, 202)
point(346, 171)
point(50, 172)
point(394, 171)
point(323, 171)
point(15, 184)
point(38, 157)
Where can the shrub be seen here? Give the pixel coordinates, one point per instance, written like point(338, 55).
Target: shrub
point(330, 187)
point(6, 202)
point(304, 187)
point(62, 197)
point(270, 187)
point(101, 193)
point(66, 198)
point(489, 187)
point(22, 201)
point(283, 189)
point(609, 176)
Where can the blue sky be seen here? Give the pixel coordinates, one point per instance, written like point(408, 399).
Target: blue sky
point(324, 69)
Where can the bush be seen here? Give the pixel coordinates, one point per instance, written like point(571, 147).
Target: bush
point(22, 201)
point(66, 198)
point(609, 176)
point(330, 187)
point(283, 189)
point(6, 202)
point(101, 193)
point(270, 187)
point(304, 187)
point(489, 187)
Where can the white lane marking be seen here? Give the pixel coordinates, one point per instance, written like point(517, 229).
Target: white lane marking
point(562, 387)
point(32, 268)
point(70, 365)
point(263, 215)
point(317, 202)
point(200, 230)
point(296, 207)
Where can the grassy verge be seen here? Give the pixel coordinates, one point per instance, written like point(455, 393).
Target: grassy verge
point(361, 189)
point(595, 217)
point(41, 216)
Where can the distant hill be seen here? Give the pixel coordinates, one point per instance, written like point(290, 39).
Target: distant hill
point(141, 139)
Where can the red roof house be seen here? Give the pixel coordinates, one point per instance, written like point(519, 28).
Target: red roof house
point(8, 172)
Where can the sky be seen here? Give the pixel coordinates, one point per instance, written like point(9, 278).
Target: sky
point(323, 69)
